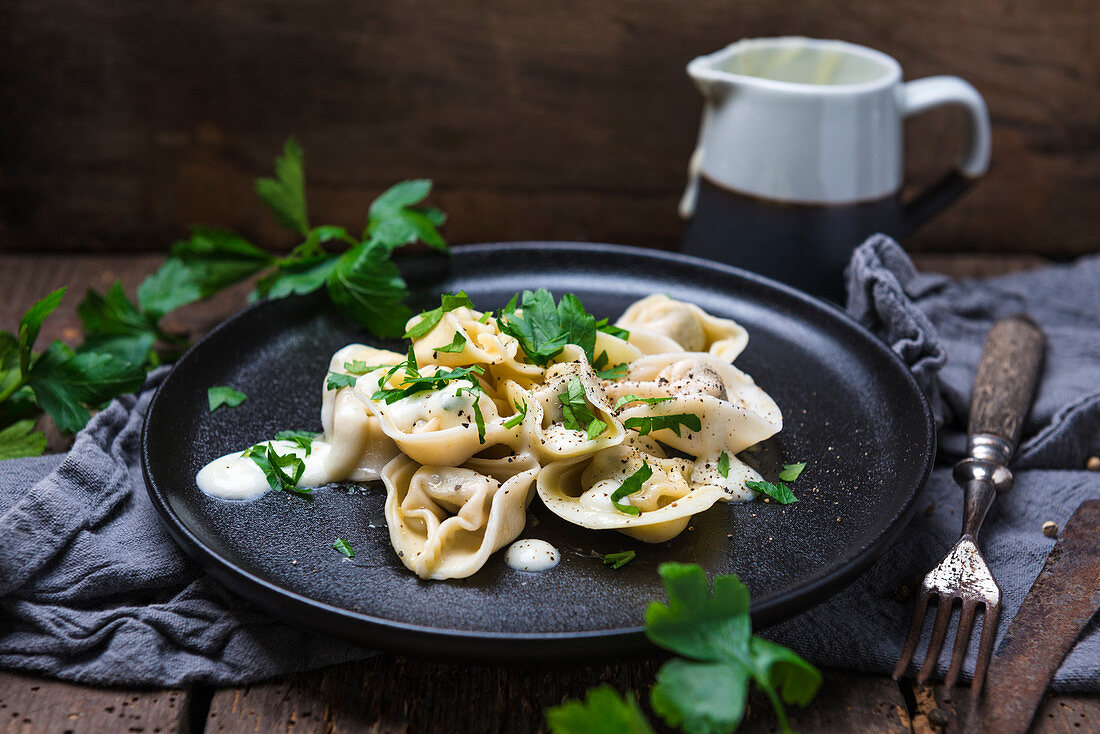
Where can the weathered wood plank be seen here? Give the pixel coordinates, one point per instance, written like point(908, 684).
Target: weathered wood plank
point(393, 694)
point(942, 711)
point(125, 122)
point(29, 705)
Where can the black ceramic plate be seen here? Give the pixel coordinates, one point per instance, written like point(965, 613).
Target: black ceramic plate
point(851, 410)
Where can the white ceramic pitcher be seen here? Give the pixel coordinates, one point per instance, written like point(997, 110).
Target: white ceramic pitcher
point(814, 127)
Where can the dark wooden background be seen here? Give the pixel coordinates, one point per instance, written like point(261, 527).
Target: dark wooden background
point(122, 122)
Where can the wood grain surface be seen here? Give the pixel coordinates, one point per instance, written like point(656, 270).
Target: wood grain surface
point(125, 122)
point(395, 694)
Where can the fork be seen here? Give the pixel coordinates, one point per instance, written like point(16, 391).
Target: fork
point(1003, 390)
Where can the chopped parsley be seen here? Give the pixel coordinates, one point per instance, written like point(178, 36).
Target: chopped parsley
point(336, 380)
point(485, 317)
point(630, 485)
point(220, 395)
point(428, 319)
point(779, 492)
point(543, 328)
point(273, 464)
point(791, 472)
point(479, 419)
point(632, 398)
point(457, 345)
point(647, 423)
point(618, 560)
point(577, 415)
point(616, 331)
point(609, 373)
point(521, 413)
point(724, 465)
point(344, 547)
point(360, 367)
point(302, 439)
point(415, 383)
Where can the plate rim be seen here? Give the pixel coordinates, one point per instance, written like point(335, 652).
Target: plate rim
point(467, 644)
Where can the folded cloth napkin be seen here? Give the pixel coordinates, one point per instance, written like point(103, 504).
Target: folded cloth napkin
point(92, 588)
point(938, 326)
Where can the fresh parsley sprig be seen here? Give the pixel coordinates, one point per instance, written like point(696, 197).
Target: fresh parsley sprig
point(63, 383)
point(543, 328)
point(705, 690)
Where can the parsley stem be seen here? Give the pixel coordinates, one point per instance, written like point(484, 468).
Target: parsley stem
point(11, 390)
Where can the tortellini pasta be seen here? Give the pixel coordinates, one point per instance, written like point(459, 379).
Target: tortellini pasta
point(633, 427)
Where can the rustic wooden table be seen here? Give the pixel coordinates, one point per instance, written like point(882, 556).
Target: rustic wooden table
point(389, 693)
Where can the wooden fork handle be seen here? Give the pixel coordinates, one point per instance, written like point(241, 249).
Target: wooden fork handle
point(1008, 373)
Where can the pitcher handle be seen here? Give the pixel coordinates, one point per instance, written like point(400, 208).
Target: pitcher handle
point(939, 91)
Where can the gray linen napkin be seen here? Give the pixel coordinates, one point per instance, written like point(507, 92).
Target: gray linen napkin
point(938, 326)
point(92, 588)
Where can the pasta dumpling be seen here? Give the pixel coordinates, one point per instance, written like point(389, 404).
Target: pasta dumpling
point(633, 428)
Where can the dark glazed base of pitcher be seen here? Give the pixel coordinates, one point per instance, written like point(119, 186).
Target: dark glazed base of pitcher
point(806, 246)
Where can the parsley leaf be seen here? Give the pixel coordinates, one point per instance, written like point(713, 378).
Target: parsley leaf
point(594, 429)
point(65, 383)
point(220, 395)
point(616, 331)
point(272, 465)
point(213, 259)
point(632, 398)
point(114, 325)
point(344, 547)
point(521, 413)
point(647, 423)
point(285, 195)
point(428, 319)
point(394, 222)
point(618, 560)
point(708, 692)
point(630, 485)
point(414, 382)
point(31, 324)
point(337, 380)
point(360, 367)
point(603, 711)
point(297, 276)
point(172, 285)
point(457, 345)
point(368, 288)
point(302, 439)
point(544, 329)
point(609, 373)
point(780, 492)
point(791, 472)
point(20, 439)
point(724, 465)
point(575, 411)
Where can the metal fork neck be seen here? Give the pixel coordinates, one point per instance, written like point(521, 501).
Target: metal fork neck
point(978, 498)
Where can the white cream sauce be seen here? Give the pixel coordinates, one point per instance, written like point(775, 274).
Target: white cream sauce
point(237, 477)
point(530, 554)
